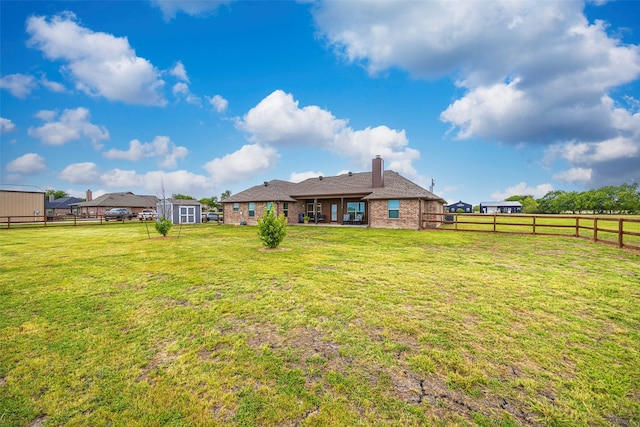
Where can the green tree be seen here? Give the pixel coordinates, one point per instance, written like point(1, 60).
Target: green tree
point(182, 197)
point(225, 194)
point(629, 198)
point(272, 229)
point(57, 194)
point(529, 204)
point(211, 202)
point(163, 225)
point(552, 202)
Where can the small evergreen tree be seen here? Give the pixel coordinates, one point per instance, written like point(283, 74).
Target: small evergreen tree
point(272, 229)
point(163, 225)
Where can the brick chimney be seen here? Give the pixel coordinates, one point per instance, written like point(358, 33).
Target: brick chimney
point(377, 172)
point(89, 196)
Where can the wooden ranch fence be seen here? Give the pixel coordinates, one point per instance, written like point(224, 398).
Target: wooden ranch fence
point(623, 232)
point(44, 221)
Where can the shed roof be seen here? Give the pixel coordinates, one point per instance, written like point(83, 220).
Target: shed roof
point(183, 202)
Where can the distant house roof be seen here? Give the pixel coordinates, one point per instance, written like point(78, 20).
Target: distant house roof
point(62, 203)
point(349, 184)
point(121, 200)
point(460, 203)
point(502, 203)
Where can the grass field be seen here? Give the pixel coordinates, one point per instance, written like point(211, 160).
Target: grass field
point(343, 326)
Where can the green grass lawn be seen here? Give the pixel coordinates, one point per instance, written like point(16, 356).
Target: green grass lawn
point(344, 326)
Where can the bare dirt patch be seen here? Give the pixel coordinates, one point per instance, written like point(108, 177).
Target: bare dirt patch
point(278, 249)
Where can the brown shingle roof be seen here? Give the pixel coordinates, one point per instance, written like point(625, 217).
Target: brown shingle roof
point(121, 200)
point(273, 191)
point(355, 185)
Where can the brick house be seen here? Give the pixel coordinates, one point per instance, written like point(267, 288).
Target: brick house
point(378, 199)
point(94, 208)
point(59, 208)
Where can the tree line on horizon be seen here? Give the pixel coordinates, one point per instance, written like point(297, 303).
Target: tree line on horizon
point(611, 199)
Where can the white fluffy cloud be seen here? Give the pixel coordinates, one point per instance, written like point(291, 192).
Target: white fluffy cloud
point(72, 125)
point(180, 72)
point(218, 103)
point(101, 64)
point(6, 125)
point(19, 85)
point(28, 164)
point(529, 72)
point(170, 8)
point(522, 189)
point(81, 173)
point(574, 175)
point(181, 90)
point(248, 161)
point(279, 121)
point(180, 181)
point(160, 147)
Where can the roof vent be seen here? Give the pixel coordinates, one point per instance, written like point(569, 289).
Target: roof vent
point(320, 177)
point(266, 183)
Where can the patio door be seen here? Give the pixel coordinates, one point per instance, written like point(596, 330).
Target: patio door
point(334, 212)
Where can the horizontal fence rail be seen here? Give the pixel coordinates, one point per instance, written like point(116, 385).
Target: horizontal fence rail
point(15, 221)
point(621, 231)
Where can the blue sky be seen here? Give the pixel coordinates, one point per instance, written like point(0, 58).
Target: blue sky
point(488, 99)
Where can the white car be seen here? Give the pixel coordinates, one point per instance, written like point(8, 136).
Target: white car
point(147, 214)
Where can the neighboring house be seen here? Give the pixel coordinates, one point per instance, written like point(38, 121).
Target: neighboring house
point(61, 207)
point(378, 199)
point(180, 211)
point(21, 206)
point(466, 207)
point(97, 207)
point(500, 207)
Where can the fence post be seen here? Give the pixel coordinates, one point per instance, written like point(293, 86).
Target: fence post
point(495, 216)
point(577, 226)
point(620, 232)
point(455, 219)
point(534, 225)
point(8, 222)
point(595, 229)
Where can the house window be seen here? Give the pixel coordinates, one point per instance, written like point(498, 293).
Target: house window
point(269, 205)
point(311, 212)
point(355, 208)
point(285, 209)
point(187, 214)
point(252, 209)
point(394, 208)
point(236, 207)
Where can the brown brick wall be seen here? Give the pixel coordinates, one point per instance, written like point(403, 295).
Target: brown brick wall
point(411, 211)
point(234, 218)
point(409, 214)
